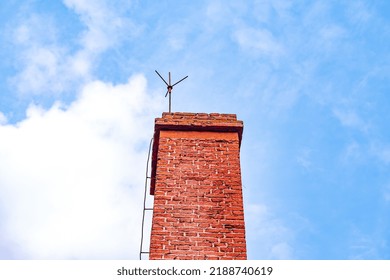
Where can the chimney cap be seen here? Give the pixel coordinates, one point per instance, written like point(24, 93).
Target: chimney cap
point(199, 122)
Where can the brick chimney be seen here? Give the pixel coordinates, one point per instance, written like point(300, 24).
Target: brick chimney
point(196, 182)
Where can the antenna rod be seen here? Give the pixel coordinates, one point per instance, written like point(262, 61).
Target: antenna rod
point(170, 102)
point(170, 91)
point(169, 86)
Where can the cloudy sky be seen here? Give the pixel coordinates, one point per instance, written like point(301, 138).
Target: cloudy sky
point(78, 98)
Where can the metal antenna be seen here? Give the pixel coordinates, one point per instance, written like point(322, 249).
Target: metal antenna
point(169, 86)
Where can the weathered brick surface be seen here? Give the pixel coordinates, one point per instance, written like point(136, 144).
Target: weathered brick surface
point(198, 209)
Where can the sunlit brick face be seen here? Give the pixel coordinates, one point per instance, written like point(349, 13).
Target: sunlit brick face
point(196, 181)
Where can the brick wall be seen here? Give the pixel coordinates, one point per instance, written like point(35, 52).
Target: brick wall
point(196, 182)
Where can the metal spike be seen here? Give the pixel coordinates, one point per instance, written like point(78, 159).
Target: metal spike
point(180, 81)
point(161, 77)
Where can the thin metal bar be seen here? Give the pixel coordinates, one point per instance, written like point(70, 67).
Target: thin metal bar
point(146, 187)
point(170, 102)
point(161, 77)
point(180, 81)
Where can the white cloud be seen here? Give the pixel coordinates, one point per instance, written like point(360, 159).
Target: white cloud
point(39, 58)
point(3, 118)
point(359, 12)
point(281, 251)
point(351, 119)
point(353, 152)
point(104, 21)
point(71, 180)
point(304, 158)
point(267, 234)
point(364, 246)
point(381, 151)
point(330, 36)
point(42, 71)
point(224, 12)
point(48, 64)
point(264, 9)
point(177, 41)
point(259, 41)
point(386, 193)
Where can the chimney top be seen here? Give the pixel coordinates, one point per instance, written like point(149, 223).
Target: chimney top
point(181, 121)
point(199, 122)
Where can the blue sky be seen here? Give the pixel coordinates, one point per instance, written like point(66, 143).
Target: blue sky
point(78, 98)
